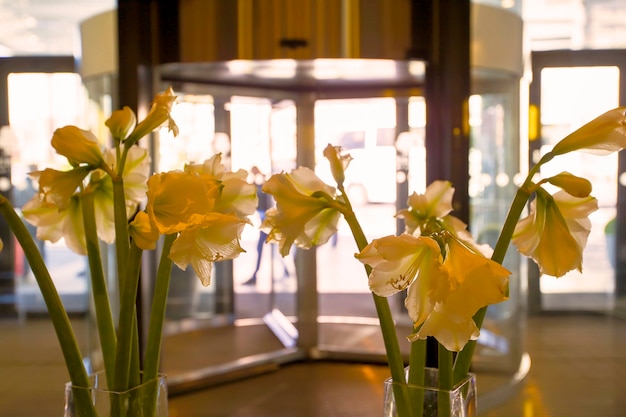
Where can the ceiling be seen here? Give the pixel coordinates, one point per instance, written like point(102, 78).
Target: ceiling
point(45, 27)
point(50, 27)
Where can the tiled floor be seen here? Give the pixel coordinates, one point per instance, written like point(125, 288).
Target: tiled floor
point(578, 370)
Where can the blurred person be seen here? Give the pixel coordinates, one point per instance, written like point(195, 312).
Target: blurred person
point(265, 202)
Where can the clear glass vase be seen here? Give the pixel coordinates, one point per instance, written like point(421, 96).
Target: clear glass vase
point(146, 400)
point(430, 401)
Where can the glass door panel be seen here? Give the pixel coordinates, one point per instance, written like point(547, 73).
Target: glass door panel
point(570, 97)
point(365, 128)
point(264, 143)
point(494, 168)
point(38, 104)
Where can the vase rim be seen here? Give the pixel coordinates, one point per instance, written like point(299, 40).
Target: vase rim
point(98, 381)
point(467, 379)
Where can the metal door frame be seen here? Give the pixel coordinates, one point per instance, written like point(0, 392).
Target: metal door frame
point(581, 58)
point(16, 65)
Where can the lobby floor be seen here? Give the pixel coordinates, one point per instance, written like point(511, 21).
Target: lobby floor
point(578, 370)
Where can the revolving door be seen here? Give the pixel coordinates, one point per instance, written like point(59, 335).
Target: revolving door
point(275, 116)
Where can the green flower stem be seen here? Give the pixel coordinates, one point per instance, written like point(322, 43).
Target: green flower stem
point(417, 362)
point(122, 245)
point(417, 370)
point(387, 325)
point(135, 362)
point(464, 358)
point(56, 310)
point(445, 381)
point(104, 318)
point(127, 326)
point(157, 317)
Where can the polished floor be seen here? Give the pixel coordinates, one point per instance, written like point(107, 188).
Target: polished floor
point(578, 370)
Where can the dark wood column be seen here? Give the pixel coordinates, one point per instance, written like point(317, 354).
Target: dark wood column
point(147, 36)
point(441, 36)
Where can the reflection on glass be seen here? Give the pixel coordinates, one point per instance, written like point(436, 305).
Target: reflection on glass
point(494, 160)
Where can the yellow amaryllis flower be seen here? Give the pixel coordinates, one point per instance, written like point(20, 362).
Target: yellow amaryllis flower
point(436, 202)
point(407, 261)
point(217, 239)
point(474, 282)
point(237, 195)
point(555, 232)
point(121, 123)
point(159, 114)
point(300, 217)
point(443, 297)
point(429, 214)
point(53, 224)
point(78, 146)
point(603, 135)
point(57, 187)
point(186, 203)
point(100, 184)
point(179, 200)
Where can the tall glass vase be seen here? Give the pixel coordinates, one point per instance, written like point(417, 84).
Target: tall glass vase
point(146, 400)
point(429, 401)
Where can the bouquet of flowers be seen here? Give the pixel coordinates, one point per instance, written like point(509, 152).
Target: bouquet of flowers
point(195, 216)
point(449, 279)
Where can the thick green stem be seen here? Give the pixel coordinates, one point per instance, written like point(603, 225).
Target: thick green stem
point(104, 318)
point(122, 243)
point(157, 318)
point(445, 381)
point(387, 326)
point(417, 371)
point(157, 314)
point(464, 358)
point(127, 326)
point(56, 310)
point(417, 362)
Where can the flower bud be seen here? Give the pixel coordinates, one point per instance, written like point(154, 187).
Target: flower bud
point(576, 186)
point(78, 146)
point(121, 123)
point(338, 162)
point(159, 113)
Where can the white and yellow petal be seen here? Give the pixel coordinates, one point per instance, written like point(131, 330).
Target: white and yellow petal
point(555, 232)
point(178, 200)
point(300, 216)
point(143, 231)
point(604, 134)
point(396, 260)
point(475, 282)
point(58, 187)
point(216, 240)
point(436, 202)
